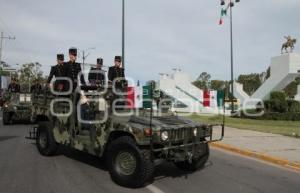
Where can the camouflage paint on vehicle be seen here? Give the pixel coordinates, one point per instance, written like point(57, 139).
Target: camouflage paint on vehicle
point(18, 106)
point(67, 130)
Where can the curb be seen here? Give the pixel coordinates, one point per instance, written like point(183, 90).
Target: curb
point(275, 160)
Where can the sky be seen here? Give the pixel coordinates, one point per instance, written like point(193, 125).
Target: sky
point(160, 34)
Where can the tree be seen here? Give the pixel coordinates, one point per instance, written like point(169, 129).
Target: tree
point(218, 85)
point(30, 72)
point(268, 73)
point(278, 102)
point(203, 81)
point(204, 76)
point(291, 89)
point(251, 82)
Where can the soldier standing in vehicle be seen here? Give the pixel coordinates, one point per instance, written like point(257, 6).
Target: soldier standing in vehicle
point(73, 69)
point(14, 86)
point(116, 73)
point(116, 78)
point(97, 75)
point(58, 71)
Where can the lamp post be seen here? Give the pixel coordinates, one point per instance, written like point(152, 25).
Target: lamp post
point(84, 55)
point(230, 6)
point(123, 33)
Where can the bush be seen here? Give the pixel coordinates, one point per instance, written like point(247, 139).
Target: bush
point(277, 108)
point(289, 116)
point(278, 102)
point(281, 116)
point(293, 106)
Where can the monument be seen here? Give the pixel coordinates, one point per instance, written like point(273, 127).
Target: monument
point(290, 43)
point(284, 69)
point(297, 97)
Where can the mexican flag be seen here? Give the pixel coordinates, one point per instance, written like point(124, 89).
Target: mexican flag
point(213, 98)
point(139, 97)
point(135, 97)
point(146, 97)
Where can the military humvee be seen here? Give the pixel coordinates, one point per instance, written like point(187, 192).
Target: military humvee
point(132, 142)
point(16, 108)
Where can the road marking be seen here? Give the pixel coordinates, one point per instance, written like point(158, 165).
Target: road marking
point(154, 189)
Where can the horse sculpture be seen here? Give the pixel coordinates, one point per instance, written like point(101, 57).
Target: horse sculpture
point(289, 44)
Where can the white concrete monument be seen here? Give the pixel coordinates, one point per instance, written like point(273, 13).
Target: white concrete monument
point(284, 70)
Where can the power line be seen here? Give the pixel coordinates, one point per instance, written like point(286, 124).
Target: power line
point(6, 26)
point(2, 37)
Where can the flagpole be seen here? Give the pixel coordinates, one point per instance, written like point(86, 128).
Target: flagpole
point(224, 12)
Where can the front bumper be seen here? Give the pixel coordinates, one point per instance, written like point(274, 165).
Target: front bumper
point(201, 138)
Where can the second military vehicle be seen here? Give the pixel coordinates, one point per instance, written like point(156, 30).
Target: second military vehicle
point(132, 141)
point(16, 108)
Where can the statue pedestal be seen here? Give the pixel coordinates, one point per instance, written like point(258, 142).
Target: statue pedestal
point(284, 69)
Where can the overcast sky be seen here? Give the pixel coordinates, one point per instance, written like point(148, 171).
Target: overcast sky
point(160, 34)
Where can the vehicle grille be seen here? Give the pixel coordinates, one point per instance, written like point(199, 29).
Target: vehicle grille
point(23, 108)
point(181, 134)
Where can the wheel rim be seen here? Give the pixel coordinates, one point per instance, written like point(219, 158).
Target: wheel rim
point(43, 140)
point(125, 163)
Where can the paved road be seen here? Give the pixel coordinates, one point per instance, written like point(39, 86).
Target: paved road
point(23, 170)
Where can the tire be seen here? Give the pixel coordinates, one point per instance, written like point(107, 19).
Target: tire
point(137, 171)
point(45, 141)
point(197, 162)
point(6, 118)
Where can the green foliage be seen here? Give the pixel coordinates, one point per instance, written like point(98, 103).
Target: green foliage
point(200, 84)
point(219, 85)
point(279, 108)
point(251, 82)
point(293, 106)
point(278, 102)
point(28, 73)
point(204, 76)
point(291, 89)
point(287, 116)
point(202, 81)
point(268, 73)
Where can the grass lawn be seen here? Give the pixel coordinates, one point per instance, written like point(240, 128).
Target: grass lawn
point(288, 128)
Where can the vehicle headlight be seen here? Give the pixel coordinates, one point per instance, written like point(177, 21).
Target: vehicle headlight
point(22, 98)
point(28, 98)
point(195, 132)
point(164, 135)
